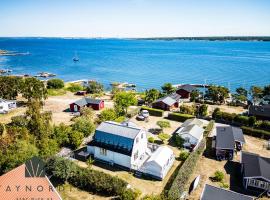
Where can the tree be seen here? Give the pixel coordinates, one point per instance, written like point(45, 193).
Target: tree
point(251, 121)
point(179, 141)
point(163, 124)
point(167, 88)
point(151, 95)
point(95, 88)
point(183, 155)
point(75, 139)
point(217, 94)
point(47, 147)
point(74, 87)
point(122, 100)
point(34, 89)
point(202, 110)
point(107, 114)
point(266, 90)
point(84, 125)
point(10, 87)
point(241, 91)
point(2, 129)
point(55, 83)
point(256, 92)
point(87, 112)
point(194, 95)
point(61, 134)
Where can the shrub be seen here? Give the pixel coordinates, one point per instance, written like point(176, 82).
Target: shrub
point(86, 179)
point(151, 139)
point(187, 109)
point(179, 141)
point(209, 128)
point(120, 119)
point(55, 84)
point(95, 87)
point(244, 120)
point(183, 155)
point(74, 87)
point(185, 172)
point(75, 139)
point(218, 176)
point(2, 128)
point(163, 124)
point(163, 136)
point(130, 194)
point(153, 111)
point(224, 185)
point(56, 92)
point(264, 125)
point(107, 114)
point(179, 117)
point(256, 132)
point(84, 125)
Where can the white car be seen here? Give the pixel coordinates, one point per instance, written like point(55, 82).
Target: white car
point(145, 113)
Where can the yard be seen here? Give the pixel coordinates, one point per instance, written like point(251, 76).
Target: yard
point(206, 167)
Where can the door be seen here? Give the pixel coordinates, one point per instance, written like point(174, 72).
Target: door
point(75, 108)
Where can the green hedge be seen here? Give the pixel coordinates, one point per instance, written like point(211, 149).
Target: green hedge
point(256, 132)
point(209, 128)
point(153, 111)
point(179, 184)
point(86, 179)
point(180, 117)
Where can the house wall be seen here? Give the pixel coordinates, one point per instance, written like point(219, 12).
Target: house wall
point(184, 94)
point(4, 107)
point(256, 183)
point(113, 157)
point(192, 140)
point(224, 152)
point(71, 107)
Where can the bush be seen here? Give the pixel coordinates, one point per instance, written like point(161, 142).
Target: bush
point(86, 179)
point(218, 176)
point(179, 117)
point(153, 111)
point(187, 109)
point(120, 119)
point(163, 124)
point(75, 139)
point(95, 88)
point(183, 155)
point(256, 132)
point(244, 120)
point(264, 124)
point(224, 185)
point(130, 194)
point(56, 92)
point(163, 136)
point(74, 87)
point(179, 141)
point(107, 114)
point(209, 128)
point(55, 84)
point(185, 172)
point(84, 125)
point(151, 139)
point(2, 128)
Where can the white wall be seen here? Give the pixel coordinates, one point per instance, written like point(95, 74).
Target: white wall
point(192, 140)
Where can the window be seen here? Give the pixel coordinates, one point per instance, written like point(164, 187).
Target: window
point(142, 135)
point(103, 152)
point(136, 155)
point(137, 140)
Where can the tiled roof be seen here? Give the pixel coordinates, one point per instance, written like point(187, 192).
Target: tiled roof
point(85, 101)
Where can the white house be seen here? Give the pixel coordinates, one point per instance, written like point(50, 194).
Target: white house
point(126, 145)
point(6, 106)
point(191, 132)
point(159, 164)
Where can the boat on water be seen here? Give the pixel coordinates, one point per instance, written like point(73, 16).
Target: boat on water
point(45, 75)
point(76, 58)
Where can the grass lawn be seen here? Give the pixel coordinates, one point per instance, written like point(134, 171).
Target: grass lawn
point(56, 92)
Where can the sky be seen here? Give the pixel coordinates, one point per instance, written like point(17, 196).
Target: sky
point(134, 18)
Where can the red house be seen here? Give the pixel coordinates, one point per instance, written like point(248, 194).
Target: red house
point(96, 104)
point(185, 90)
point(168, 102)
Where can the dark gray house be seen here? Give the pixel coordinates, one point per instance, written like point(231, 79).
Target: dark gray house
point(214, 193)
point(256, 172)
point(260, 111)
point(227, 140)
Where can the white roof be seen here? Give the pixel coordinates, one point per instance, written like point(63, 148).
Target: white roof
point(161, 155)
point(192, 121)
point(193, 130)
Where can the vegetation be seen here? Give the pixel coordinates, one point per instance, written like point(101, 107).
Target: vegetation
point(84, 125)
point(55, 84)
point(163, 124)
point(194, 95)
point(256, 92)
point(209, 128)
point(2, 129)
point(167, 88)
point(183, 155)
point(10, 87)
point(95, 88)
point(151, 139)
point(190, 110)
point(130, 194)
point(179, 117)
point(74, 87)
point(217, 94)
point(218, 176)
point(122, 100)
point(151, 95)
point(56, 92)
point(256, 132)
point(201, 110)
point(108, 114)
point(163, 136)
point(153, 111)
point(241, 95)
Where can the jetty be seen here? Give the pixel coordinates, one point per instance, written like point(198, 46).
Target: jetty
point(194, 85)
point(45, 75)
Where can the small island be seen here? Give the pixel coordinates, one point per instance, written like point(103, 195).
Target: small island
point(11, 53)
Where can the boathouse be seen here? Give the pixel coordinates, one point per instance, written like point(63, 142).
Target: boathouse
point(96, 104)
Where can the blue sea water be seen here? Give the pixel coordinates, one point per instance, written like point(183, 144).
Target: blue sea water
point(147, 63)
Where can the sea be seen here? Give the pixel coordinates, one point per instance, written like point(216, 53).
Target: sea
point(146, 63)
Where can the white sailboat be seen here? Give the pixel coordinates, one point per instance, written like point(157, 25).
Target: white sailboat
point(75, 58)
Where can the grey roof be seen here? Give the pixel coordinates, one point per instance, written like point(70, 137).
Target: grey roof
point(187, 87)
point(255, 165)
point(169, 99)
point(192, 121)
point(225, 138)
point(238, 134)
point(259, 110)
point(85, 101)
point(192, 129)
point(118, 129)
point(214, 193)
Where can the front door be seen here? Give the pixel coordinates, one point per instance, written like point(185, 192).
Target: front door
point(75, 108)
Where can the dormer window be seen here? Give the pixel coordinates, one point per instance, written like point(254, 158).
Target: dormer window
point(137, 139)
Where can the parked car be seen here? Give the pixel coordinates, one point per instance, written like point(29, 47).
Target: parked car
point(145, 113)
point(140, 118)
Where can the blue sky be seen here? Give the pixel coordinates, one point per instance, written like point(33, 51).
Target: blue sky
point(134, 18)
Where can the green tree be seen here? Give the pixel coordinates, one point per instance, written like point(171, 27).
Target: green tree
point(10, 87)
point(266, 90)
point(151, 95)
point(241, 91)
point(34, 89)
point(61, 134)
point(167, 88)
point(256, 92)
point(251, 121)
point(179, 141)
point(55, 83)
point(87, 112)
point(217, 94)
point(122, 100)
point(202, 110)
point(47, 147)
point(95, 88)
point(2, 129)
point(194, 95)
point(183, 155)
point(84, 125)
point(75, 139)
point(74, 87)
point(107, 114)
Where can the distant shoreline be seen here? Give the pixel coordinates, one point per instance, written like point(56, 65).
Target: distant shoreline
point(207, 38)
point(11, 53)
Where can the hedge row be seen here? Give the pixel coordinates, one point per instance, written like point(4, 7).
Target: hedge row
point(153, 111)
point(184, 173)
point(209, 128)
point(180, 117)
point(256, 132)
point(84, 178)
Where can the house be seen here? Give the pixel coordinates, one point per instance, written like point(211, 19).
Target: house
point(185, 90)
point(192, 132)
point(125, 145)
point(256, 172)
point(19, 183)
point(96, 104)
point(168, 102)
point(214, 193)
point(227, 139)
point(159, 164)
point(6, 106)
point(120, 145)
point(260, 111)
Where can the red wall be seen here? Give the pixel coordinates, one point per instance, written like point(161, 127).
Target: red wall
point(71, 107)
point(94, 106)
